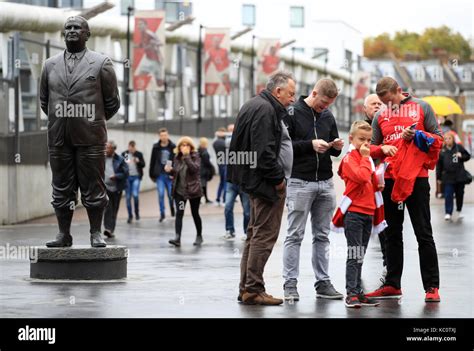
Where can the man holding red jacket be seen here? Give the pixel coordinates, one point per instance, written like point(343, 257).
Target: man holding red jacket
point(397, 125)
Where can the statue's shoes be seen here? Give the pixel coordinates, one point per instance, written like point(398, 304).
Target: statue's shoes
point(97, 241)
point(62, 240)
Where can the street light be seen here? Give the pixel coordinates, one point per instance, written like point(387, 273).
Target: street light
point(126, 70)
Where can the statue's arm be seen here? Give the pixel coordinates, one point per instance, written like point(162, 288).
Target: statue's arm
point(110, 91)
point(44, 90)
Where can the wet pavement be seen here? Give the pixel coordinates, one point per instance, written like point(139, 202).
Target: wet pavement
point(202, 282)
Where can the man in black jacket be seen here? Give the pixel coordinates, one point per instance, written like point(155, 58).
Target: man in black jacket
point(163, 152)
point(136, 163)
point(315, 138)
point(258, 131)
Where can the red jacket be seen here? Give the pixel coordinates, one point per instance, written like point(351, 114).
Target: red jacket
point(388, 127)
point(359, 177)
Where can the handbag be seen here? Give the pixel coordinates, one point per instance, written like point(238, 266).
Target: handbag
point(467, 177)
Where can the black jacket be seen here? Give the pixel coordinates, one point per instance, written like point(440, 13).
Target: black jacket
point(140, 163)
point(207, 169)
point(121, 172)
point(258, 130)
point(157, 165)
point(308, 164)
point(447, 170)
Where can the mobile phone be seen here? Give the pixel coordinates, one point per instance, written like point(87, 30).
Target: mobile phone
point(413, 125)
point(169, 163)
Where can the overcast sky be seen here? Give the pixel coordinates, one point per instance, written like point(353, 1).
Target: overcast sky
point(375, 17)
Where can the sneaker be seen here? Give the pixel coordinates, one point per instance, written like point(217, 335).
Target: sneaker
point(243, 238)
point(291, 293)
point(365, 301)
point(447, 217)
point(129, 220)
point(432, 295)
point(352, 302)
point(137, 217)
point(326, 290)
point(162, 218)
point(457, 216)
point(241, 293)
point(229, 235)
point(385, 292)
point(262, 298)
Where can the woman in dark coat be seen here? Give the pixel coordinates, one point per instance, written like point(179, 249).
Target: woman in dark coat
point(207, 169)
point(451, 172)
point(186, 186)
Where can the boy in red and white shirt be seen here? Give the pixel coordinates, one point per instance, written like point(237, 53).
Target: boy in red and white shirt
point(361, 209)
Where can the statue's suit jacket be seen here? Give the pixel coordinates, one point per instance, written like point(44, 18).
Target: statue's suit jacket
point(92, 82)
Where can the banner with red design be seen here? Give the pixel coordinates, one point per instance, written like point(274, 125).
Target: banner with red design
point(149, 51)
point(268, 60)
point(217, 61)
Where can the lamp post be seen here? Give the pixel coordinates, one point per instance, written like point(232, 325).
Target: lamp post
point(126, 68)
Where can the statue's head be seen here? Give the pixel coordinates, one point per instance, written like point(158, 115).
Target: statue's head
point(76, 33)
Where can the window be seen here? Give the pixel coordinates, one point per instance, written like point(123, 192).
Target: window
point(75, 4)
point(297, 16)
point(248, 15)
point(436, 73)
point(175, 10)
point(172, 11)
point(419, 75)
point(124, 4)
point(347, 60)
point(466, 76)
point(298, 50)
point(469, 104)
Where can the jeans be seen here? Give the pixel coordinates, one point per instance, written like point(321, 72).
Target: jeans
point(449, 191)
point(357, 228)
point(231, 194)
point(319, 199)
point(418, 204)
point(221, 190)
point(132, 189)
point(163, 181)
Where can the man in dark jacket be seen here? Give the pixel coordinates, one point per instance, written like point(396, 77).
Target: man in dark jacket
point(258, 131)
point(163, 152)
point(116, 173)
point(78, 93)
point(315, 138)
point(136, 163)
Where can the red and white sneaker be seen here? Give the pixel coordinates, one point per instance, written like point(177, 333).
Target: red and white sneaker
point(385, 292)
point(432, 295)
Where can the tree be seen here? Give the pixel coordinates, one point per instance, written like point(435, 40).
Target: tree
point(430, 44)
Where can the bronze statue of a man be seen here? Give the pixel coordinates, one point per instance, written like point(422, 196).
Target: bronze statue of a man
point(78, 93)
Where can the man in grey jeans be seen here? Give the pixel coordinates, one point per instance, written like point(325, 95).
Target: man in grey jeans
point(315, 139)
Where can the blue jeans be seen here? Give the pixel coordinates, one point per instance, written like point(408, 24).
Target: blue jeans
point(221, 190)
point(357, 228)
point(231, 194)
point(164, 181)
point(449, 191)
point(132, 189)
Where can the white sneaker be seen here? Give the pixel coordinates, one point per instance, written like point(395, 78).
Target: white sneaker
point(244, 237)
point(459, 215)
point(228, 235)
point(447, 217)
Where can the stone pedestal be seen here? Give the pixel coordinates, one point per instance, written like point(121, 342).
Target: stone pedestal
point(80, 262)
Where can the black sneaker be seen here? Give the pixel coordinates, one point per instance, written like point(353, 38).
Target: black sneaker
point(326, 290)
point(352, 302)
point(162, 218)
point(365, 301)
point(291, 293)
point(129, 220)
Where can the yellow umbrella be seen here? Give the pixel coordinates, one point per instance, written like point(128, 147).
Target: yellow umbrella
point(443, 105)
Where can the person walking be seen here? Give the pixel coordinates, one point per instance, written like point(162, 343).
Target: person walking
point(207, 169)
point(451, 172)
point(162, 154)
point(136, 163)
point(116, 174)
point(186, 186)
